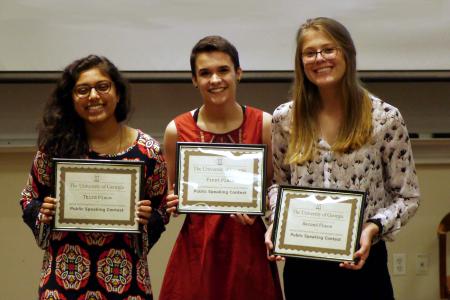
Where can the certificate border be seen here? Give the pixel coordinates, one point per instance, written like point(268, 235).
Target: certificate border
point(93, 166)
point(220, 207)
point(318, 252)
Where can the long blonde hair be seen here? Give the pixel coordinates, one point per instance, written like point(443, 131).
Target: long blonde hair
point(356, 129)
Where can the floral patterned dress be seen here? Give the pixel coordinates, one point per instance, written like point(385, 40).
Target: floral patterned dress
point(96, 265)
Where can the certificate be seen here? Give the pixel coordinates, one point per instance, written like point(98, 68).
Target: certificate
point(220, 178)
point(318, 223)
point(97, 195)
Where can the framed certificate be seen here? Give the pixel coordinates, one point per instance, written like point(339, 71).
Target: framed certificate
point(97, 195)
point(318, 223)
point(220, 178)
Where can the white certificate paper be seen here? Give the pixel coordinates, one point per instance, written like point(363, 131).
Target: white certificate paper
point(220, 178)
point(231, 180)
point(318, 223)
point(97, 195)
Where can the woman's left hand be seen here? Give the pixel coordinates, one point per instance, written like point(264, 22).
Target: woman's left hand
point(143, 211)
point(367, 234)
point(244, 219)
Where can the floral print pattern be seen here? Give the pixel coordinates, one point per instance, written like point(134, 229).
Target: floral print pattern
point(114, 271)
point(384, 167)
point(97, 265)
point(72, 267)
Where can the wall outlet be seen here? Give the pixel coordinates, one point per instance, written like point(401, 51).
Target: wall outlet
point(399, 264)
point(422, 260)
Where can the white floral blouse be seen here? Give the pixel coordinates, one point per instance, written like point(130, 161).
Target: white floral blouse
point(384, 167)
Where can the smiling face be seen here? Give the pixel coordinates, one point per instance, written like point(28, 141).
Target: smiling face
point(92, 99)
point(216, 77)
point(322, 72)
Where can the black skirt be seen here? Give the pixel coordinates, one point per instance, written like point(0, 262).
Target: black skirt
point(313, 279)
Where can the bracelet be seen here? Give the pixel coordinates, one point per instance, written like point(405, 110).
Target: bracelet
point(378, 223)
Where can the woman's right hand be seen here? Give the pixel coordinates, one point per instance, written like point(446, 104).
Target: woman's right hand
point(269, 245)
point(47, 210)
point(172, 202)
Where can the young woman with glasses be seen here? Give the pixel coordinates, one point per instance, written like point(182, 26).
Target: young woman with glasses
point(335, 134)
point(84, 119)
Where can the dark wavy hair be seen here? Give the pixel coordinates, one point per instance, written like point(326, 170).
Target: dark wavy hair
point(61, 131)
point(214, 43)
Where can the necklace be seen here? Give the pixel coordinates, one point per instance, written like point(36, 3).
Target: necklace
point(229, 137)
point(221, 138)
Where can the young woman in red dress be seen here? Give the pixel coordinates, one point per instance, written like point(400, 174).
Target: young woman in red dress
point(218, 256)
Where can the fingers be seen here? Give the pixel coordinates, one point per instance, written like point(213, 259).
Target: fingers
point(143, 211)
point(50, 200)
point(353, 265)
point(47, 210)
point(269, 245)
point(244, 219)
point(143, 203)
point(360, 258)
point(43, 218)
point(272, 257)
point(170, 198)
point(172, 202)
point(249, 220)
point(172, 211)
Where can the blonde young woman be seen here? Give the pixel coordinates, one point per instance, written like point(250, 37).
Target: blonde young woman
point(335, 134)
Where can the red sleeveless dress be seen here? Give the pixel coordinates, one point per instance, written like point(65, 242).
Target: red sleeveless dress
point(214, 256)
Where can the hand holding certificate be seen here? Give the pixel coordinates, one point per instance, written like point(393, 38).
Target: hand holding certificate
point(97, 195)
point(220, 178)
point(317, 223)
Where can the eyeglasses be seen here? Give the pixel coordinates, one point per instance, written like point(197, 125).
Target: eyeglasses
point(310, 56)
point(84, 90)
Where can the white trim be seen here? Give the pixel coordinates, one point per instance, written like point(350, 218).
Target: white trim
point(431, 151)
point(425, 150)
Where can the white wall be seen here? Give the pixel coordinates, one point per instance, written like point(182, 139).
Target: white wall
point(22, 258)
point(158, 35)
point(425, 106)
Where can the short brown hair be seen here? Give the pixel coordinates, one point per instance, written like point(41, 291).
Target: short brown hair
point(213, 43)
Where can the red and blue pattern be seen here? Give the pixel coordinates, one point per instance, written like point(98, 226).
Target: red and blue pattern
point(52, 295)
point(46, 268)
point(96, 265)
point(143, 278)
point(92, 295)
point(114, 271)
point(72, 267)
point(96, 238)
